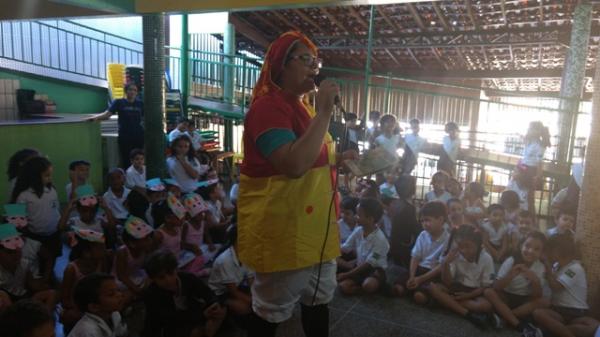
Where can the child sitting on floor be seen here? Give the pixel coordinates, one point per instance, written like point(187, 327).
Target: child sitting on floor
point(156, 191)
point(347, 222)
point(473, 202)
point(496, 233)
point(116, 195)
point(87, 256)
point(178, 304)
point(99, 298)
point(510, 201)
point(19, 275)
point(79, 173)
point(230, 280)
point(136, 173)
point(130, 257)
point(456, 216)
point(466, 271)
point(216, 219)
point(195, 235)
point(425, 255)
point(371, 247)
point(524, 227)
point(518, 289)
point(438, 192)
point(569, 290)
point(565, 223)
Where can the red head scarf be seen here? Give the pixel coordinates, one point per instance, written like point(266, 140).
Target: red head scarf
point(275, 61)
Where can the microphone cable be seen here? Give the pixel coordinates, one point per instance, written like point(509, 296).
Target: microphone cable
point(328, 225)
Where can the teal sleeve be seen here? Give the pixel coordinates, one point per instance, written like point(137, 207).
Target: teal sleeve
point(273, 139)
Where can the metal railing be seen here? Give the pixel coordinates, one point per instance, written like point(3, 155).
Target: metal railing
point(66, 46)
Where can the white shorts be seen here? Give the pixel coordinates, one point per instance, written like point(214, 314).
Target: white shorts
point(274, 295)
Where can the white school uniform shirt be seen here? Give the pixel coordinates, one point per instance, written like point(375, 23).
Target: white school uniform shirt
point(521, 192)
point(15, 283)
point(42, 213)
point(519, 284)
point(91, 325)
point(533, 154)
point(429, 251)
point(431, 196)
point(227, 269)
point(372, 249)
point(473, 274)
point(116, 204)
point(133, 178)
point(388, 190)
point(574, 295)
point(554, 231)
point(177, 172)
point(196, 140)
point(415, 143)
point(345, 230)
point(495, 235)
point(175, 133)
point(234, 192)
point(385, 224)
point(451, 147)
point(577, 172)
point(389, 144)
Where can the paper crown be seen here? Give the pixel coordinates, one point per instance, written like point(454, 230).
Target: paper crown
point(10, 238)
point(155, 184)
point(16, 214)
point(194, 204)
point(86, 195)
point(88, 235)
point(207, 182)
point(176, 206)
point(137, 227)
point(171, 182)
point(390, 193)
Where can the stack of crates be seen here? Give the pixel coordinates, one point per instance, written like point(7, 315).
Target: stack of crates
point(210, 140)
point(116, 80)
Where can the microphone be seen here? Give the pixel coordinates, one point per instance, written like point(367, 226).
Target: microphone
point(338, 103)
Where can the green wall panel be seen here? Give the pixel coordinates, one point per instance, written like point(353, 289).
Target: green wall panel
point(61, 143)
point(69, 97)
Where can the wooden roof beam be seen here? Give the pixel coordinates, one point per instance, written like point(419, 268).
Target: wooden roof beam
point(249, 31)
point(391, 55)
point(415, 15)
point(277, 30)
point(307, 18)
point(358, 18)
point(414, 57)
point(334, 20)
point(282, 17)
point(470, 13)
point(440, 15)
point(439, 57)
point(387, 19)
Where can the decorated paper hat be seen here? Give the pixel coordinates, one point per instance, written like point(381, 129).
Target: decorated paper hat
point(176, 206)
point(155, 185)
point(16, 214)
point(389, 193)
point(207, 182)
point(171, 182)
point(88, 235)
point(194, 204)
point(137, 227)
point(10, 238)
point(86, 195)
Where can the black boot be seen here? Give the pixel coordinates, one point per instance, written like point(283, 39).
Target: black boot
point(258, 327)
point(315, 320)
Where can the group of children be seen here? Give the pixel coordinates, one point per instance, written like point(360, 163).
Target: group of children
point(169, 244)
point(490, 265)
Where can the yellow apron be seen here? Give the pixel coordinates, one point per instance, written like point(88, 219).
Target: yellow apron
point(282, 222)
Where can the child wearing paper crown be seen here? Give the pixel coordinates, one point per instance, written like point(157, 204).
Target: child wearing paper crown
point(195, 232)
point(171, 215)
point(87, 204)
point(173, 187)
point(155, 192)
point(19, 275)
point(130, 257)
point(87, 256)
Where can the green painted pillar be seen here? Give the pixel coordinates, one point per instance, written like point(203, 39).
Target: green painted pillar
point(365, 103)
point(228, 139)
point(573, 80)
point(229, 63)
point(184, 66)
point(154, 94)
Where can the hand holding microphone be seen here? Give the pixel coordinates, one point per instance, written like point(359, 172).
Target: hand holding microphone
point(326, 97)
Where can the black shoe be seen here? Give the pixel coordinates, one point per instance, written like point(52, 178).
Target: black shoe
point(478, 319)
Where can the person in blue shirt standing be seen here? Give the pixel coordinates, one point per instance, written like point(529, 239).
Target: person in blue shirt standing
point(131, 118)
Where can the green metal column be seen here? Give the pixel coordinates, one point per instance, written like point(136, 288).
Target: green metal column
point(154, 94)
point(229, 63)
point(184, 66)
point(573, 79)
point(365, 103)
point(228, 139)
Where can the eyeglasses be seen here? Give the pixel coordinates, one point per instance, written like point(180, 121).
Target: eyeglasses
point(308, 60)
